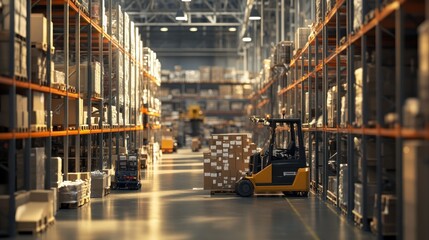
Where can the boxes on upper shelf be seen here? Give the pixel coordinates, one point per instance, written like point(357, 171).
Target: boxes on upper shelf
point(301, 37)
point(217, 74)
point(205, 74)
point(39, 31)
point(20, 17)
point(95, 79)
point(20, 53)
point(58, 109)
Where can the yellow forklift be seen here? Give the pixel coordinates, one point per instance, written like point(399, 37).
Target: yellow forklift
point(196, 119)
point(278, 169)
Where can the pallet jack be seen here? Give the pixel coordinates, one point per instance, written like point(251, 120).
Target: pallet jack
point(278, 169)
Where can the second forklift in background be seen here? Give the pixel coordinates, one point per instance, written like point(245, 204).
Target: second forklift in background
point(278, 169)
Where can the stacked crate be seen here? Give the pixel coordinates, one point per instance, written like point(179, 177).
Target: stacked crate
point(21, 112)
point(301, 37)
point(70, 194)
point(227, 161)
point(20, 46)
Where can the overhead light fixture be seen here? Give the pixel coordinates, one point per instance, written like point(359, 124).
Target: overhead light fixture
point(186, 0)
point(254, 14)
point(232, 29)
point(193, 29)
point(181, 15)
point(164, 29)
point(247, 39)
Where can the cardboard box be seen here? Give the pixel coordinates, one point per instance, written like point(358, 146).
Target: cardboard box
point(59, 112)
point(4, 57)
point(37, 168)
point(38, 117)
point(38, 101)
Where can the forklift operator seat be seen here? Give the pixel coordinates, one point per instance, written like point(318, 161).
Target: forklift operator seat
point(291, 148)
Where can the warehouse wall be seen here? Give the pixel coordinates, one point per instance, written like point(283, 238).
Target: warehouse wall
point(191, 63)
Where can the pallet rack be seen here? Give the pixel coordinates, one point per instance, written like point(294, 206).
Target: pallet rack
point(76, 33)
point(333, 52)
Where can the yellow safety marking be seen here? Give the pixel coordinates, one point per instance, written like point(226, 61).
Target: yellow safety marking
point(309, 229)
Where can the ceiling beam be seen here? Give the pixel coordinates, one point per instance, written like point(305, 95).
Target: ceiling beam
point(195, 24)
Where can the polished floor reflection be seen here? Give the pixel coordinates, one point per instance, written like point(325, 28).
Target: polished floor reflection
point(172, 205)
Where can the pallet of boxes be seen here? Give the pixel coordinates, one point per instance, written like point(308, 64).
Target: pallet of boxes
point(76, 191)
point(227, 161)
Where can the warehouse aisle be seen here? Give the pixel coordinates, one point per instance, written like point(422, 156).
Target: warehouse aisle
point(172, 205)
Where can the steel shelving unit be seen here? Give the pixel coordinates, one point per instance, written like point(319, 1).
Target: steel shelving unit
point(342, 133)
point(75, 34)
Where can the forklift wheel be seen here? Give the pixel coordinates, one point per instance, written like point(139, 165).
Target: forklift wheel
point(244, 188)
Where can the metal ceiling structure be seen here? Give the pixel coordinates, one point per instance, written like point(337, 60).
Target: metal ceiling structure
point(211, 20)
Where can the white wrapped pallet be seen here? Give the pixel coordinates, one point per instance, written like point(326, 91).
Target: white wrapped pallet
point(117, 23)
point(301, 37)
point(126, 32)
point(126, 81)
point(132, 39)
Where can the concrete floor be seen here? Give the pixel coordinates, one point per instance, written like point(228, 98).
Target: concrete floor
point(172, 205)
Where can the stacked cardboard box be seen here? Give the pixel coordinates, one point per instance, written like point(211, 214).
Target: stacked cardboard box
point(58, 109)
point(230, 75)
point(205, 73)
point(20, 17)
point(227, 161)
point(117, 23)
point(388, 92)
point(20, 51)
point(85, 178)
point(56, 171)
point(37, 168)
point(301, 37)
point(21, 112)
point(217, 74)
point(21, 198)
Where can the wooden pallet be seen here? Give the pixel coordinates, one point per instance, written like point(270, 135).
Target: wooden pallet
point(21, 129)
point(71, 89)
point(95, 126)
point(84, 127)
point(223, 192)
point(59, 86)
point(38, 128)
point(106, 126)
point(21, 78)
point(62, 128)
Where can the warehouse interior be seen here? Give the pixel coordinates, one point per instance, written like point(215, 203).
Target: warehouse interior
point(208, 119)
